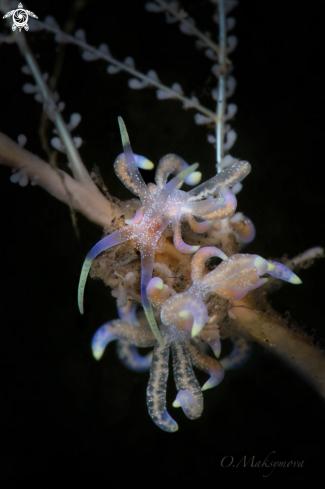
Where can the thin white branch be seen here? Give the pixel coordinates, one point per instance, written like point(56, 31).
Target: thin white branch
point(122, 66)
point(78, 168)
point(305, 259)
point(181, 17)
point(221, 102)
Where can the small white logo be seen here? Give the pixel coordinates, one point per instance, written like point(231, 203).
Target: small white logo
point(20, 18)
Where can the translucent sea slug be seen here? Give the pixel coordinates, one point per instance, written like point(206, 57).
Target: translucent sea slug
point(180, 321)
point(185, 324)
point(178, 255)
point(163, 205)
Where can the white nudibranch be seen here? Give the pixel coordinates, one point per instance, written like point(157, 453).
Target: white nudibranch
point(163, 205)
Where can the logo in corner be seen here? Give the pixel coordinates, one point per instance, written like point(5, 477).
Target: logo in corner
point(20, 18)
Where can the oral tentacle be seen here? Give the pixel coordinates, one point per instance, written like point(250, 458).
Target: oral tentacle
point(176, 181)
point(189, 395)
point(120, 330)
point(172, 164)
point(178, 241)
point(156, 390)
point(240, 354)
point(186, 311)
point(132, 168)
point(122, 172)
point(147, 263)
point(225, 179)
point(136, 219)
point(103, 336)
point(226, 209)
point(158, 292)
point(201, 257)
point(283, 273)
point(199, 227)
point(243, 227)
point(202, 208)
point(113, 239)
point(208, 365)
point(130, 357)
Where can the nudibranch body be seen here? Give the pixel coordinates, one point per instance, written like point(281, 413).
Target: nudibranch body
point(164, 205)
point(185, 315)
point(174, 320)
point(185, 325)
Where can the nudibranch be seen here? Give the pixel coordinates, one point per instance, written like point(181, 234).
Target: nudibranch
point(163, 205)
point(185, 324)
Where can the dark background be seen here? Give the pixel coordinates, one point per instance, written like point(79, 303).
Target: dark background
point(60, 408)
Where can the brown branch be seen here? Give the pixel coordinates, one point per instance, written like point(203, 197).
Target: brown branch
point(267, 329)
point(85, 199)
point(272, 334)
